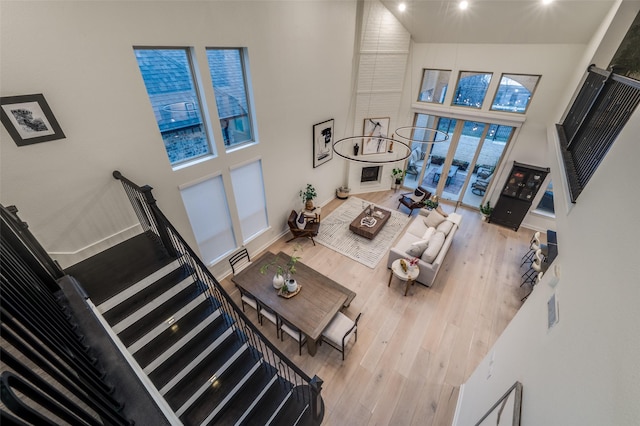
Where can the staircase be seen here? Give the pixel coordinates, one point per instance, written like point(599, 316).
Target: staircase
point(202, 358)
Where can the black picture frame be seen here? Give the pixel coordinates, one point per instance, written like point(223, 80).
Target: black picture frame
point(29, 120)
point(322, 142)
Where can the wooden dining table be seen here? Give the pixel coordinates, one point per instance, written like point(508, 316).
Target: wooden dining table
point(310, 310)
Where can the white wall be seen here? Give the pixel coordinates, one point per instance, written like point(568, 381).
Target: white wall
point(585, 370)
point(80, 56)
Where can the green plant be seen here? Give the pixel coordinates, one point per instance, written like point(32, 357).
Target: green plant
point(486, 208)
point(309, 193)
point(397, 174)
point(286, 269)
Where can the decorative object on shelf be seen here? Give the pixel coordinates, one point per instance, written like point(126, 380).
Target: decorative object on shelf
point(284, 292)
point(397, 175)
point(375, 132)
point(343, 192)
point(356, 148)
point(307, 195)
point(29, 120)
point(322, 142)
point(284, 271)
point(485, 210)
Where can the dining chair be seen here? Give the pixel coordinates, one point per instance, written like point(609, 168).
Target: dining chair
point(294, 332)
point(239, 260)
point(339, 331)
point(247, 299)
point(266, 312)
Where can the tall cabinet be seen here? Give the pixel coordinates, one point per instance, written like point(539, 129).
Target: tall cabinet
point(518, 192)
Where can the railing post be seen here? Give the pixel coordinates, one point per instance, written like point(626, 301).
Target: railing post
point(317, 404)
point(162, 229)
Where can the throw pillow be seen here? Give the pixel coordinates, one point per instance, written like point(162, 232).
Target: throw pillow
point(435, 244)
point(416, 249)
point(429, 232)
point(445, 227)
point(417, 196)
point(301, 222)
point(434, 219)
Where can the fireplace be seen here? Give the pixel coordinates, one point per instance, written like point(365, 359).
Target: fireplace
point(370, 174)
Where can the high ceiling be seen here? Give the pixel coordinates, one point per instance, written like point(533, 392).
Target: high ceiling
point(501, 21)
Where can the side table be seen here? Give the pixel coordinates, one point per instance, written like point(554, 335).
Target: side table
point(408, 276)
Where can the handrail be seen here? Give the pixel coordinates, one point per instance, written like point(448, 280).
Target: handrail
point(240, 322)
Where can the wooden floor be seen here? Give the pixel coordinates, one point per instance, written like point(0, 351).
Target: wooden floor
point(413, 352)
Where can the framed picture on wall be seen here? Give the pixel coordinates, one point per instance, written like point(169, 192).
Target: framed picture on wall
point(29, 120)
point(322, 142)
point(373, 128)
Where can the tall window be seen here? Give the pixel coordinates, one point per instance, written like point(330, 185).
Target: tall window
point(206, 205)
point(546, 202)
point(248, 187)
point(514, 92)
point(229, 77)
point(434, 86)
point(168, 77)
point(471, 89)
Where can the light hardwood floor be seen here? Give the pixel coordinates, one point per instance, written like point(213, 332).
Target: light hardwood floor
point(413, 352)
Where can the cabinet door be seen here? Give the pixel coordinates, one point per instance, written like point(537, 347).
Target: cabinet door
point(509, 212)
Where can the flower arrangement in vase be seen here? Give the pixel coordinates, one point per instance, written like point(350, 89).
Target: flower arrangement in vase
point(282, 279)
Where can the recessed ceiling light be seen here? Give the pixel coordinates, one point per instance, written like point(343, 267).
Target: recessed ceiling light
point(402, 7)
point(547, 1)
point(463, 4)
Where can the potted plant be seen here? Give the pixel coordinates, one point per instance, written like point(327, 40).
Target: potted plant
point(284, 271)
point(485, 210)
point(397, 175)
point(307, 195)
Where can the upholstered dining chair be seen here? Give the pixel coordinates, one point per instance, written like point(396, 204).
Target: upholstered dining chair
point(310, 229)
point(239, 260)
point(414, 200)
point(247, 299)
point(294, 332)
point(339, 331)
point(266, 312)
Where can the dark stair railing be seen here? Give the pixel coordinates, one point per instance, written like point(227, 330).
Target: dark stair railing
point(49, 372)
point(305, 388)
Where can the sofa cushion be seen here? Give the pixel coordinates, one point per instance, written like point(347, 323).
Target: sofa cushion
point(434, 219)
point(428, 233)
point(416, 249)
point(432, 250)
point(445, 227)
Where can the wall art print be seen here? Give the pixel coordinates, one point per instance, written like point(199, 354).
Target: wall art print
point(29, 120)
point(322, 142)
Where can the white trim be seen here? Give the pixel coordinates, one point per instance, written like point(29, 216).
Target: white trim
point(102, 240)
point(503, 119)
point(458, 406)
point(199, 180)
point(244, 163)
point(144, 379)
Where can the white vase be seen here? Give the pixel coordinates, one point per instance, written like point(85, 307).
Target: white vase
point(278, 281)
point(292, 285)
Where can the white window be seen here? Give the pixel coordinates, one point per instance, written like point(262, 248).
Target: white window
point(248, 188)
point(206, 204)
point(169, 78)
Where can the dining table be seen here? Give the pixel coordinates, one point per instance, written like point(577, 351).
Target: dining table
point(310, 309)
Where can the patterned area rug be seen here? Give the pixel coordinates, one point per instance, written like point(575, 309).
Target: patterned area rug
point(334, 233)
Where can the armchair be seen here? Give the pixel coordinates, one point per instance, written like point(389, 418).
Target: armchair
point(310, 229)
point(414, 200)
point(479, 187)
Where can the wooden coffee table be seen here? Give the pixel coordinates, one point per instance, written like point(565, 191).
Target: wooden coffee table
point(381, 217)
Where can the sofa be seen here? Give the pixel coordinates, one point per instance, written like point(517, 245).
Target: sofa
point(428, 237)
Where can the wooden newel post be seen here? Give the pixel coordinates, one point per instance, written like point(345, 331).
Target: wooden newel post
point(162, 229)
point(317, 405)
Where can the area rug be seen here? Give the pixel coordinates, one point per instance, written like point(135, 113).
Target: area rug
point(335, 234)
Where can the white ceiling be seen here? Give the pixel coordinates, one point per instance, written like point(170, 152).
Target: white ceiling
point(501, 21)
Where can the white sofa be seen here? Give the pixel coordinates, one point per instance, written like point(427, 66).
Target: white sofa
point(418, 236)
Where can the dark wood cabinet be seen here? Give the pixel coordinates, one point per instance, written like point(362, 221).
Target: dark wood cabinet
point(522, 185)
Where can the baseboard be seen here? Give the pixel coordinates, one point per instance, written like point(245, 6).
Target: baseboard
point(458, 405)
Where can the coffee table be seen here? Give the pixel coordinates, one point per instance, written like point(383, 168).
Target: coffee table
point(381, 217)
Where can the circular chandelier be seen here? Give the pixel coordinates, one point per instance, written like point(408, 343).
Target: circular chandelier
point(418, 134)
point(372, 149)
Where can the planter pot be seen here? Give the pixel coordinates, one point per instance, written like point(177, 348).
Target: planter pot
point(342, 193)
point(292, 286)
point(309, 205)
point(278, 281)
point(485, 217)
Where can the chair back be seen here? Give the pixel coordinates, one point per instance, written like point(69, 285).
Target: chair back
point(239, 260)
point(292, 220)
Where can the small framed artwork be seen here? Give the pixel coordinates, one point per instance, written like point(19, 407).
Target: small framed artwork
point(29, 120)
point(322, 142)
point(372, 130)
